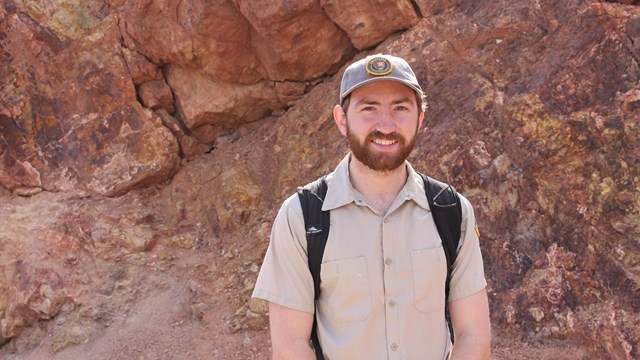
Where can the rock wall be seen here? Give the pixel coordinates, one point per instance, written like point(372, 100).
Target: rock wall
point(147, 145)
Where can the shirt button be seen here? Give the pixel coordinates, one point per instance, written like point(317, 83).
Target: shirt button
point(388, 261)
point(392, 303)
point(394, 347)
point(386, 220)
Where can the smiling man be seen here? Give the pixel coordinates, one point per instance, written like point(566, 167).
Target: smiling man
point(384, 278)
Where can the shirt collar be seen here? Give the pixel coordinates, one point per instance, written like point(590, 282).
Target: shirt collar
point(341, 192)
point(414, 188)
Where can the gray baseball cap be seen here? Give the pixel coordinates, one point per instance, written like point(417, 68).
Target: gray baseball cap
point(376, 68)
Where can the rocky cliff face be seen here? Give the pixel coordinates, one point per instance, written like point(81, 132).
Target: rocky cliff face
point(146, 146)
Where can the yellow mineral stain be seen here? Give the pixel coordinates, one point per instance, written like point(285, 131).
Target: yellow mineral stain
point(67, 18)
point(535, 119)
point(502, 164)
point(607, 187)
point(50, 121)
point(37, 121)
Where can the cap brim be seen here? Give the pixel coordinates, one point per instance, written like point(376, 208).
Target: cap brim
point(383, 78)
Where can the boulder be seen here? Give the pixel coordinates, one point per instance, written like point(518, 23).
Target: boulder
point(202, 100)
point(367, 23)
point(156, 94)
point(295, 40)
point(141, 69)
point(35, 293)
point(211, 36)
point(67, 132)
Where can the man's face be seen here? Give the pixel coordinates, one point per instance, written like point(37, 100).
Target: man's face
point(382, 123)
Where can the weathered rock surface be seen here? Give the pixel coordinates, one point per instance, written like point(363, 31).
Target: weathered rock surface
point(211, 36)
point(156, 94)
point(201, 100)
point(70, 121)
point(295, 40)
point(368, 23)
point(143, 219)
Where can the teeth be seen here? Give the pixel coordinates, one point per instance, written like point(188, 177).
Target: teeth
point(384, 142)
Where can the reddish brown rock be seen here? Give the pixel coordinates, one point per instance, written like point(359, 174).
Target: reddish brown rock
point(212, 36)
point(156, 94)
point(223, 42)
point(434, 7)
point(289, 91)
point(69, 20)
point(156, 32)
point(202, 100)
point(295, 40)
point(532, 115)
point(190, 147)
point(367, 23)
point(141, 69)
point(16, 174)
point(70, 134)
point(36, 293)
point(229, 211)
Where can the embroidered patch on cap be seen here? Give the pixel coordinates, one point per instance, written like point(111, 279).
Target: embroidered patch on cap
point(379, 66)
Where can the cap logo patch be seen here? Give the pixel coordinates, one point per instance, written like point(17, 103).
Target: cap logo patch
point(379, 66)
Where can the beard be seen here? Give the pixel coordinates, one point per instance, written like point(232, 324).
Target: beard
point(377, 160)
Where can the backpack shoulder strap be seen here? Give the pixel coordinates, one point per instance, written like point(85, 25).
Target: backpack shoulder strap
point(316, 224)
point(446, 208)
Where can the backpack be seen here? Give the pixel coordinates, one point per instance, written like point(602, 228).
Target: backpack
point(445, 206)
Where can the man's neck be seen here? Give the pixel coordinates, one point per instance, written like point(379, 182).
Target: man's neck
point(380, 188)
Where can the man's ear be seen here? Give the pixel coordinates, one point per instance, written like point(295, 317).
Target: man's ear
point(340, 118)
point(420, 119)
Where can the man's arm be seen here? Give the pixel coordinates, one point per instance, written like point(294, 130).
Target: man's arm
point(471, 326)
point(290, 333)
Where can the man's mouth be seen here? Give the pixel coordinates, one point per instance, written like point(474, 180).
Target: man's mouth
point(384, 142)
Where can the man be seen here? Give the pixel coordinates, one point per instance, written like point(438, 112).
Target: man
point(383, 270)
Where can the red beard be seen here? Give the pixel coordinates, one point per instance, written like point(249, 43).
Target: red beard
point(377, 160)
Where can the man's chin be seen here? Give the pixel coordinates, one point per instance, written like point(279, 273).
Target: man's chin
point(384, 170)
point(385, 163)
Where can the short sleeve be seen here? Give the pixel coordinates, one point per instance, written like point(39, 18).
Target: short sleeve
point(467, 277)
point(284, 277)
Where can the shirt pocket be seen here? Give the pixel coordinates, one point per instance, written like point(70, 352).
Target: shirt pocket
point(429, 271)
point(345, 292)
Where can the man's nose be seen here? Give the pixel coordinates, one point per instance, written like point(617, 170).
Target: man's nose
point(386, 123)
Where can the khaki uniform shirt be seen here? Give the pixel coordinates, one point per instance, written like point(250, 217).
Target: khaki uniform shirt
point(382, 275)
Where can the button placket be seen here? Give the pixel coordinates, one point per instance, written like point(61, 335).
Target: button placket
point(390, 285)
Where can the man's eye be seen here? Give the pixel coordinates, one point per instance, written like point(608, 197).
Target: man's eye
point(402, 108)
point(368, 108)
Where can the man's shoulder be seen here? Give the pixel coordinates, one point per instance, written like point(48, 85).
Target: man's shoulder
point(314, 183)
point(289, 209)
point(291, 206)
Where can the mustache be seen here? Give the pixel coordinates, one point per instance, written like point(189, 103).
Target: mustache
point(394, 136)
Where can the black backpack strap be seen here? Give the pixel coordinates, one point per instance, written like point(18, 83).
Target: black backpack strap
point(446, 208)
point(316, 223)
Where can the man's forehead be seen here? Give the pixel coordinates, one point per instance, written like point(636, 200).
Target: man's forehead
point(393, 92)
point(376, 100)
